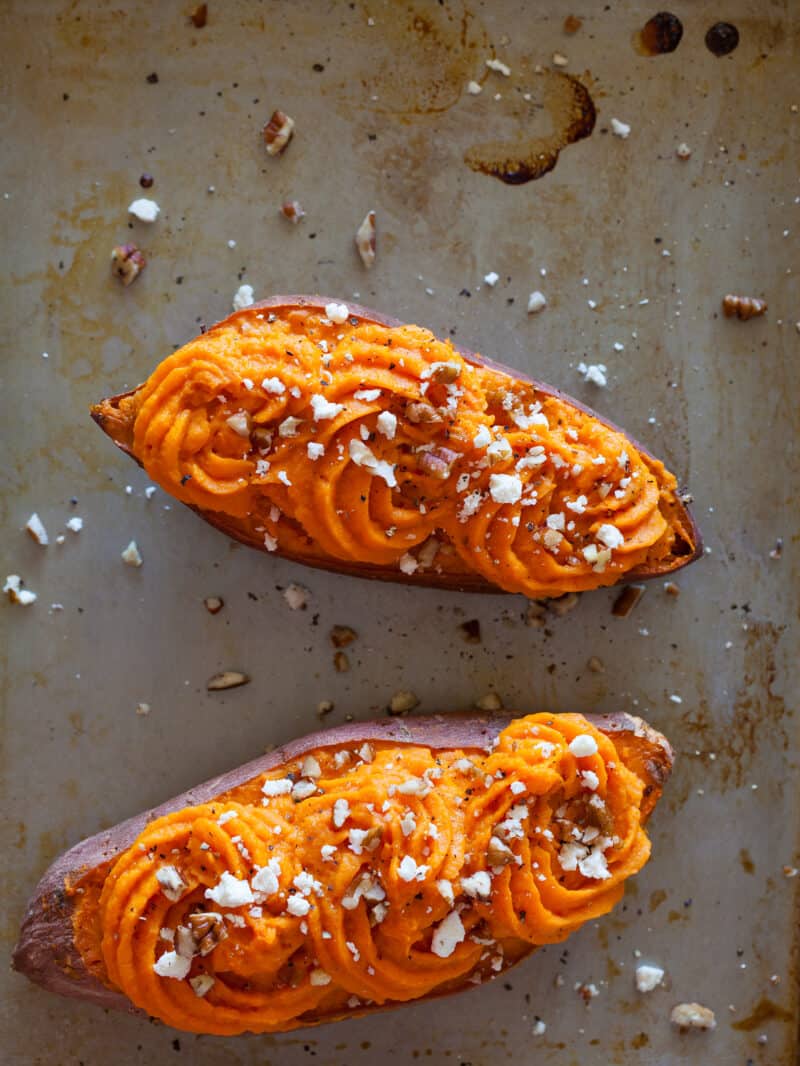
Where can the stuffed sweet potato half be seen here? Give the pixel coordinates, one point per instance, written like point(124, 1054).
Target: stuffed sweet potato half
point(342, 439)
point(359, 868)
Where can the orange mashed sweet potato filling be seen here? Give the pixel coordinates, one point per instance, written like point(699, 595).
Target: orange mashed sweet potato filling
point(366, 875)
point(382, 446)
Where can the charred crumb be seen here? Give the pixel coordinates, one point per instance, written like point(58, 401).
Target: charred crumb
point(213, 604)
point(341, 662)
point(672, 589)
point(199, 17)
point(342, 636)
point(471, 631)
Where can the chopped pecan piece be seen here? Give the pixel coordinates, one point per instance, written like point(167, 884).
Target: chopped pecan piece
point(422, 413)
point(278, 132)
point(227, 679)
point(127, 263)
point(341, 636)
point(366, 241)
point(293, 211)
point(743, 307)
point(438, 462)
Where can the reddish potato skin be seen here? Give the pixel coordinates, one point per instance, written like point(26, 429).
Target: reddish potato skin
point(106, 415)
point(46, 953)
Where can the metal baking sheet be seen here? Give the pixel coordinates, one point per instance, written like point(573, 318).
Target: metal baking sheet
point(96, 93)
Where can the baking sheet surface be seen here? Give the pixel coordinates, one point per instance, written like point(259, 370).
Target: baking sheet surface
point(378, 92)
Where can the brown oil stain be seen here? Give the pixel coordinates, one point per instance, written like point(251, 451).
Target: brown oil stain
point(677, 916)
point(758, 714)
point(21, 838)
point(568, 106)
point(764, 1011)
point(639, 1041)
point(722, 39)
point(656, 899)
point(746, 861)
point(659, 36)
point(424, 58)
point(572, 24)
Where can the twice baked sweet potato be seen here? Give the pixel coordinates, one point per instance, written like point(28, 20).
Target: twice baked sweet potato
point(339, 438)
point(355, 869)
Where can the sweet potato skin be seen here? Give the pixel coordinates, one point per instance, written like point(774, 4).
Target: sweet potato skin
point(46, 953)
point(106, 415)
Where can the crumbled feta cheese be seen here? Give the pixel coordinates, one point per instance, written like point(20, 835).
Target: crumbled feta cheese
point(408, 564)
point(362, 456)
point(537, 301)
point(478, 885)
point(270, 543)
point(230, 891)
point(239, 423)
point(504, 488)
point(319, 977)
point(474, 88)
point(35, 527)
point(518, 787)
point(171, 964)
point(620, 129)
point(243, 297)
point(594, 373)
point(499, 451)
point(323, 409)
point(491, 279)
point(387, 424)
point(539, 1028)
point(483, 438)
point(274, 386)
point(337, 312)
point(327, 851)
point(341, 812)
point(648, 977)
point(296, 596)
point(499, 67)
point(367, 395)
point(314, 450)
point(448, 934)
point(131, 555)
point(281, 787)
point(610, 536)
point(555, 521)
point(590, 780)
point(75, 524)
point(145, 210)
point(445, 890)
point(288, 427)
point(298, 906)
point(172, 884)
point(408, 870)
point(582, 745)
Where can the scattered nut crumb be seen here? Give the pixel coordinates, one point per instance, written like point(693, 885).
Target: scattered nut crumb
point(16, 593)
point(341, 662)
point(213, 604)
point(199, 16)
point(324, 707)
point(227, 679)
point(402, 702)
point(296, 596)
point(790, 871)
point(572, 24)
point(620, 129)
point(145, 210)
point(587, 992)
point(562, 605)
point(537, 302)
point(692, 1016)
point(627, 600)
point(34, 527)
point(560, 60)
point(777, 551)
point(342, 636)
point(132, 556)
point(490, 702)
point(471, 631)
point(292, 210)
point(127, 263)
point(683, 151)
point(278, 132)
point(648, 978)
point(743, 307)
point(672, 589)
point(367, 240)
point(142, 709)
point(597, 666)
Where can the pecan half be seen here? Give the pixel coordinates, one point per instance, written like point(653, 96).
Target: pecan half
point(127, 263)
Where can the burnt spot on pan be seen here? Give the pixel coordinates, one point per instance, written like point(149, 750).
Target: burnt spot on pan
point(571, 113)
point(722, 39)
point(660, 35)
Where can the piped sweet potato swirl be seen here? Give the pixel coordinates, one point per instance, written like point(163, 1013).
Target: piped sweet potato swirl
point(366, 875)
point(380, 448)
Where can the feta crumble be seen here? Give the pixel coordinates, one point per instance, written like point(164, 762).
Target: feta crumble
point(648, 977)
point(230, 891)
point(594, 373)
point(503, 488)
point(131, 555)
point(448, 934)
point(145, 210)
point(537, 302)
point(337, 313)
point(243, 297)
point(171, 964)
point(583, 745)
point(620, 129)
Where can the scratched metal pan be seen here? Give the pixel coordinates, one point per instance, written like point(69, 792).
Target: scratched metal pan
point(633, 248)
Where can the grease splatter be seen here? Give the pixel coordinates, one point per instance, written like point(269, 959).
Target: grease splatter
point(722, 39)
point(660, 35)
